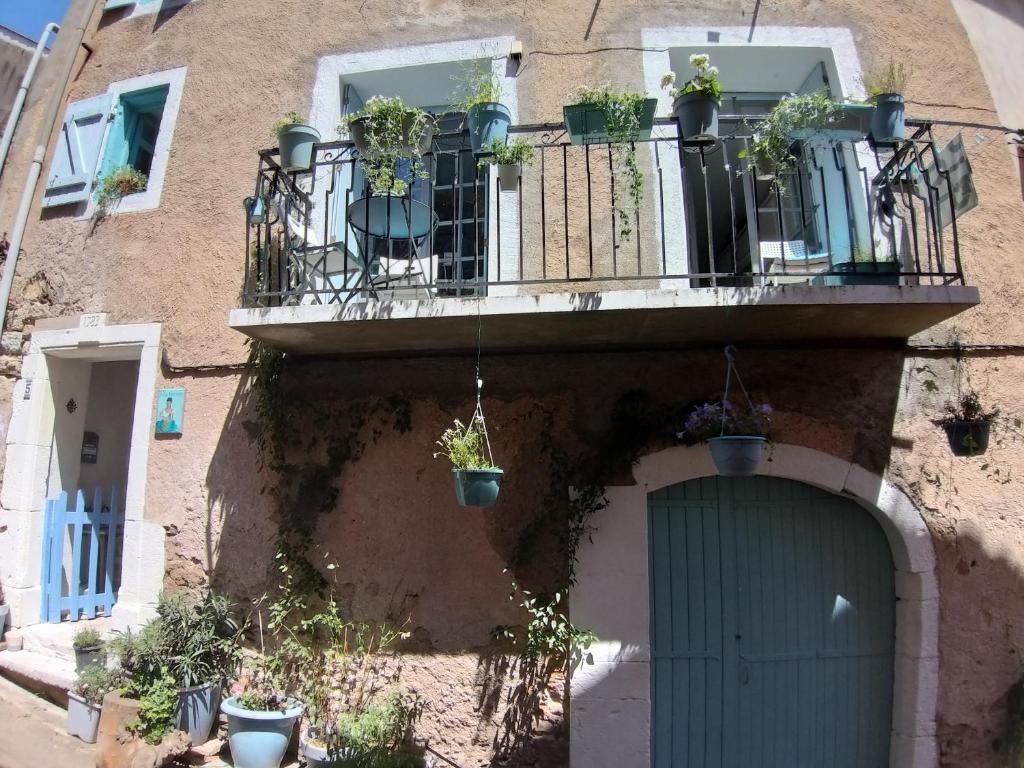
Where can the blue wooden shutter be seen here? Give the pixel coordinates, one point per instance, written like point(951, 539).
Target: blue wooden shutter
point(75, 159)
point(112, 4)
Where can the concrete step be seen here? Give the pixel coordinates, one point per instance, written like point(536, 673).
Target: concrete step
point(43, 674)
point(57, 639)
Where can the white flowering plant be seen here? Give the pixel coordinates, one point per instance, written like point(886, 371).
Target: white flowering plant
point(705, 82)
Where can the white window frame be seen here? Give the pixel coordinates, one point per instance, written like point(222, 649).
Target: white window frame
point(149, 198)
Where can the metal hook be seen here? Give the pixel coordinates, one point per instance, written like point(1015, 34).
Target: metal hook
point(730, 353)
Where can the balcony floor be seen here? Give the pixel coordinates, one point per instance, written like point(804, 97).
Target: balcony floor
point(608, 320)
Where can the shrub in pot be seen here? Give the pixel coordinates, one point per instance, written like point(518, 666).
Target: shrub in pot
point(486, 117)
point(85, 700)
point(886, 87)
point(618, 118)
point(260, 727)
point(477, 480)
point(696, 102)
point(378, 734)
point(296, 142)
point(116, 184)
point(88, 645)
point(508, 160)
point(735, 435)
point(968, 425)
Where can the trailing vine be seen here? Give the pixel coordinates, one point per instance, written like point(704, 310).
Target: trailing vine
point(621, 110)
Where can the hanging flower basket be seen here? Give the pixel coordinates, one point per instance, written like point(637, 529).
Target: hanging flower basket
point(968, 425)
point(735, 435)
point(467, 446)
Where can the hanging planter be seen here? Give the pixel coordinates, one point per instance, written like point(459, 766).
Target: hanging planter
point(467, 446)
point(296, 142)
point(887, 86)
point(696, 103)
point(478, 95)
point(968, 425)
point(735, 435)
point(508, 161)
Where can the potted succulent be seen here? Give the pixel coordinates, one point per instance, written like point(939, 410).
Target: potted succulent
point(886, 87)
point(696, 102)
point(967, 425)
point(486, 117)
point(618, 118)
point(736, 436)
point(88, 645)
point(296, 141)
point(118, 183)
point(508, 160)
point(85, 700)
point(200, 647)
point(477, 480)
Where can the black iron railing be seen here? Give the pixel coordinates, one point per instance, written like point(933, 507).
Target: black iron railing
point(848, 213)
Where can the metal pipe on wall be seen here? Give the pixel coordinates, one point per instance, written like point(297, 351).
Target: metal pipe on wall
point(19, 100)
point(74, 35)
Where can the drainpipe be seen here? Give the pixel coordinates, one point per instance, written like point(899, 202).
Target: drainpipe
point(74, 35)
point(19, 100)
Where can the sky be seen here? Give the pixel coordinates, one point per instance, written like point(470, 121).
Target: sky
point(30, 16)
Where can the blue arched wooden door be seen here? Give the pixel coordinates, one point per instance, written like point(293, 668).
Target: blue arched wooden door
point(772, 627)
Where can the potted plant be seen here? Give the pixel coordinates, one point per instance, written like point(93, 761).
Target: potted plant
point(260, 723)
point(85, 700)
point(886, 87)
point(88, 645)
point(118, 183)
point(377, 733)
point(618, 118)
point(477, 480)
point(295, 141)
point(696, 102)
point(486, 117)
point(508, 160)
point(736, 436)
point(200, 647)
point(866, 269)
point(967, 425)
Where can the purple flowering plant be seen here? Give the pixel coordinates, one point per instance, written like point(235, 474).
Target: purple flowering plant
point(705, 421)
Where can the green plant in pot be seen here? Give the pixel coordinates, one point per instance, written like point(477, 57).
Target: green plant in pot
point(88, 645)
point(391, 138)
point(865, 268)
point(479, 96)
point(379, 733)
point(619, 118)
point(85, 699)
point(696, 102)
point(771, 148)
point(201, 646)
point(116, 184)
point(968, 425)
point(508, 160)
point(887, 87)
point(296, 142)
point(477, 480)
point(735, 435)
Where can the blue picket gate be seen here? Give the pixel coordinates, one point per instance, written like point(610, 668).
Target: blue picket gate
point(81, 549)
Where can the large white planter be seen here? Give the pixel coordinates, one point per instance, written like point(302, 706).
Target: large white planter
point(83, 718)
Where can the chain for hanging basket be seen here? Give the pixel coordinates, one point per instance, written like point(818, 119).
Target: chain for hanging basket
point(478, 413)
point(730, 356)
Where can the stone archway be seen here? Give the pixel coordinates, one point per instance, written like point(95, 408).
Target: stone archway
point(611, 704)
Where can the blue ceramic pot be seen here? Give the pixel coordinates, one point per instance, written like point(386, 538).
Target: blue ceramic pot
point(296, 143)
point(259, 739)
point(888, 121)
point(487, 122)
point(477, 487)
point(737, 456)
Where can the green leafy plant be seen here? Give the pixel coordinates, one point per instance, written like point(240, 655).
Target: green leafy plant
point(621, 110)
point(549, 634)
point(200, 640)
point(516, 152)
point(120, 182)
point(772, 139)
point(394, 131)
point(463, 445)
point(156, 709)
point(968, 408)
point(139, 656)
point(86, 638)
point(290, 119)
point(476, 85)
point(891, 77)
point(256, 700)
point(96, 681)
point(704, 82)
point(379, 728)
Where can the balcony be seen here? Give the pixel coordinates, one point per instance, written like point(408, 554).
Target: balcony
point(860, 243)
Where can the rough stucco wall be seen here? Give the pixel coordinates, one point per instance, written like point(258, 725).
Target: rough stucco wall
point(401, 539)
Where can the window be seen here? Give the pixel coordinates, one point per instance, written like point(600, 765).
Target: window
point(132, 124)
